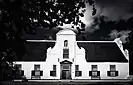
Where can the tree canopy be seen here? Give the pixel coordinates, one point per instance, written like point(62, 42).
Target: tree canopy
point(19, 16)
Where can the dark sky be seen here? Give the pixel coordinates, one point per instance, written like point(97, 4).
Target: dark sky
point(113, 10)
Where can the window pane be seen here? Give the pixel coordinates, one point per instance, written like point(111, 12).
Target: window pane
point(112, 68)
point(36, 67)
point(94, 73)
point(37, 73)
point(112, 74)
point(76, 67)
point(54, 73)
point(65, 67)
point(94, 68)
point(78, 73)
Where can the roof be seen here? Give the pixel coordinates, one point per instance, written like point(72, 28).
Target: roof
point(36, 51)
point(102, 52)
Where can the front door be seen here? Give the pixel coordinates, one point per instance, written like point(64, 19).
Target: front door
point(65, 71)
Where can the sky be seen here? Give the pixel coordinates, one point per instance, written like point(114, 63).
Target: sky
point(112, 10)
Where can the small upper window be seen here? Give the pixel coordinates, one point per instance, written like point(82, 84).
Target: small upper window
point(77, 67)
point(94, 67)
point(65, 43)
point(54, 67)
point(112, 68)
point(18, 67)
point(37, 67)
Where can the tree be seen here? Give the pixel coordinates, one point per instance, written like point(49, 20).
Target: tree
point(19, 16)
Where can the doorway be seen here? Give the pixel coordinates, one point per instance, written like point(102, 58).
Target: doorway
point(65, 71)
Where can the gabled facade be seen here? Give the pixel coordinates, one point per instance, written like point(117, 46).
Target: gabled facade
point(71, 59)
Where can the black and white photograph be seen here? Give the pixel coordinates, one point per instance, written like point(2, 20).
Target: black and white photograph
point(66, 42)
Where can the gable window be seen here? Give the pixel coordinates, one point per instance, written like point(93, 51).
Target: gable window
point(53, 72)
point(77, 72)
point(65, 43)
point(112, 72)
point(94, 73)
point(66, 49)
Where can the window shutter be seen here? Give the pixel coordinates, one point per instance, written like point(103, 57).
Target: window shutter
point(98, 73)
point(108, 73)
point(80, 73)
point(33, 73)
point(22, 72)
point(41, 73)
point(51, 73)
point(90, 73)
point(116, 73)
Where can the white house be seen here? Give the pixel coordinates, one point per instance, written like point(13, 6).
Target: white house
point(71, 59)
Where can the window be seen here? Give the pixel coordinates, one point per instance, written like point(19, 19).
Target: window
point(65, 43)
point(36, 67)
point(94, 73)
point(53, 72)
point(77, 72)
point(36, 73)
point(94, 68)
point(18, 72)
point(65, 53)
point(112, 72)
